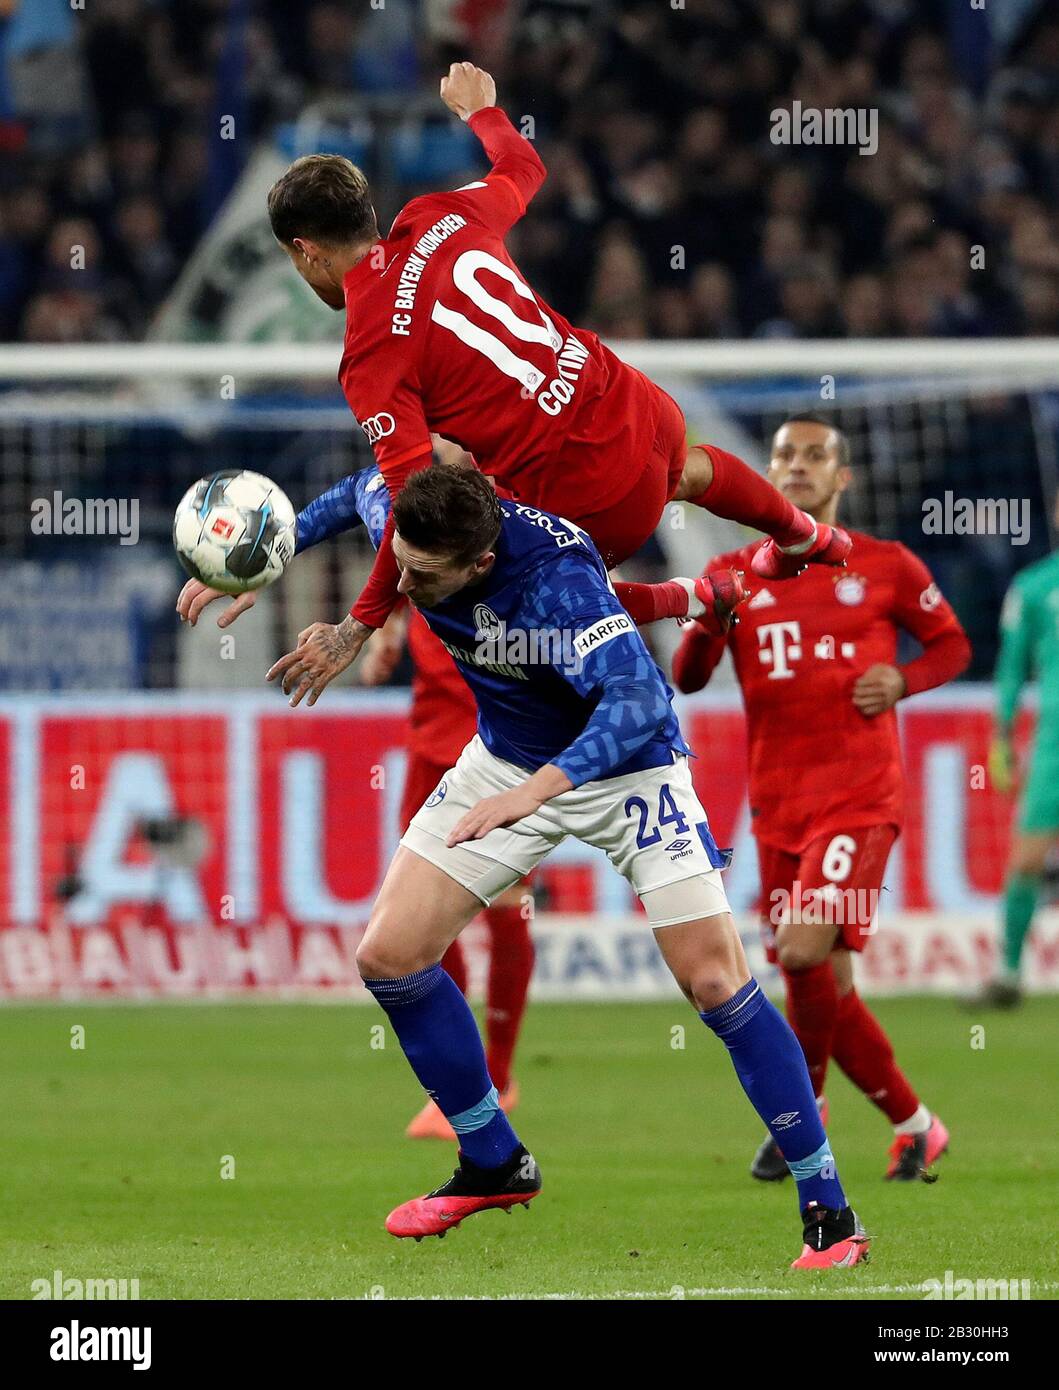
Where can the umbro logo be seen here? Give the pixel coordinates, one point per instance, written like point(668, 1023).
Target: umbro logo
point(678, 848)
point(762, 599)
point(785, 1120)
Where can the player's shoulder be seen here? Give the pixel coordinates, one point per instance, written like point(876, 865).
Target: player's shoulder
point(546, 554)
point(420, 214)
point(884, 553)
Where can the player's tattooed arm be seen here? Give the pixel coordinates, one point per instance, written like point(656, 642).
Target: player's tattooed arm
point(323, 652)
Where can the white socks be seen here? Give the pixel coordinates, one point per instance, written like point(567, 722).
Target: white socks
point(918, 1123)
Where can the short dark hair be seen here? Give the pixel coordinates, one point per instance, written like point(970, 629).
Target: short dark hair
point(451, 510)
point(807, 417)
point(322, 196)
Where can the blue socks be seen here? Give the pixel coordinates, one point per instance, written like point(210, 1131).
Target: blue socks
point(440, 1038)
point(771, 1066)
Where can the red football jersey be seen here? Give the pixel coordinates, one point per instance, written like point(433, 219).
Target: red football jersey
point(817, 765)
point(444, 335)
point(444, 716)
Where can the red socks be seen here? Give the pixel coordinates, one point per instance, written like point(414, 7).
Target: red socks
point(739, 494)
point(812, 1010)
point(648, 603)
point(510, 969)
point(865, 1054)
point(453, 961)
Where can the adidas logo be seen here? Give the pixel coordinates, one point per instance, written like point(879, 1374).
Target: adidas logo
point(762, 599)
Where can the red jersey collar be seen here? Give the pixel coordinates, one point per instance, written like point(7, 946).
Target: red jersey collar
point(364, 271)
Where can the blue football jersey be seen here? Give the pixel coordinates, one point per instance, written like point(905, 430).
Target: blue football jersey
point(557, 667)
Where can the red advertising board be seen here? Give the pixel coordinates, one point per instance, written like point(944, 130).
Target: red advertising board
point(280, 824)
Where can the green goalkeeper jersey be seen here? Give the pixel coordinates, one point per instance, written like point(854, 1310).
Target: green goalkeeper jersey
point(1029, 647)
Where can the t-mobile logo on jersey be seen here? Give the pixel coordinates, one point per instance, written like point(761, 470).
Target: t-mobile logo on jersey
point(778, 642)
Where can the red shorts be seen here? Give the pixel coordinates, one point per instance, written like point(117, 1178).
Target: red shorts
point(837, 878)
point(421, 777)
point(622, 528)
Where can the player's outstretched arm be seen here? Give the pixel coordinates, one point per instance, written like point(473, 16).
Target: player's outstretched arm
point(194, 597)
point(471, 94)
point(329, 514)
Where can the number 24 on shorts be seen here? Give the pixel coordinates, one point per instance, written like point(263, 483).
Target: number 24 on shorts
point(669, 813)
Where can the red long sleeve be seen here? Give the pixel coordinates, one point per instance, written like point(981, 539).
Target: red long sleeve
point(943, 658)
point(379, 596)
point(696, 659)
point(512, 156)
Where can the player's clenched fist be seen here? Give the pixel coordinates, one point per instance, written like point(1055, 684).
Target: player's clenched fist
point(194, 597)
point(467, 89)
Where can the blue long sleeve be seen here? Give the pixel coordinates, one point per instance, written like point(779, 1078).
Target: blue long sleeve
point(329, 514)
point(360, 499)
point(633, 707)
point(613, 667)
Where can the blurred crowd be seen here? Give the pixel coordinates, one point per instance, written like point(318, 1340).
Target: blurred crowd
point(668, 212)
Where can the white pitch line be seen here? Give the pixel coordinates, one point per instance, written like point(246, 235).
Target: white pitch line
point(795, 1289)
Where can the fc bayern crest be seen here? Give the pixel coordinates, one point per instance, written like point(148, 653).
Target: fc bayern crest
point(851, 589)
point(487, 626)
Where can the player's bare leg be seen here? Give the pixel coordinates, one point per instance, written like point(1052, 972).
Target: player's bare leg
point(420, 910)
point(706, 959)
point(723, 484)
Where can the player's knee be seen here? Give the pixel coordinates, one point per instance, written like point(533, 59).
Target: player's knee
point(711, 985)
point(377, 959)
point(696, 477)
point(797, 952)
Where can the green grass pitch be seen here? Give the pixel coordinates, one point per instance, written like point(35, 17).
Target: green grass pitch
point(112, 1158)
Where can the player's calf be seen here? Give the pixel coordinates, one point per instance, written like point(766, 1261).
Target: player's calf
point(705, 957)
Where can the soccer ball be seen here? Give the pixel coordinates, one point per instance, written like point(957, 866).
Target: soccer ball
point(234, 530)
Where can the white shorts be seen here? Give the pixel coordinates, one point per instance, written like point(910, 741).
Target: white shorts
point(650, 824)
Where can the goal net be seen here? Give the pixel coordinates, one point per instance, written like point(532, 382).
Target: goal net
point(168, 825)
